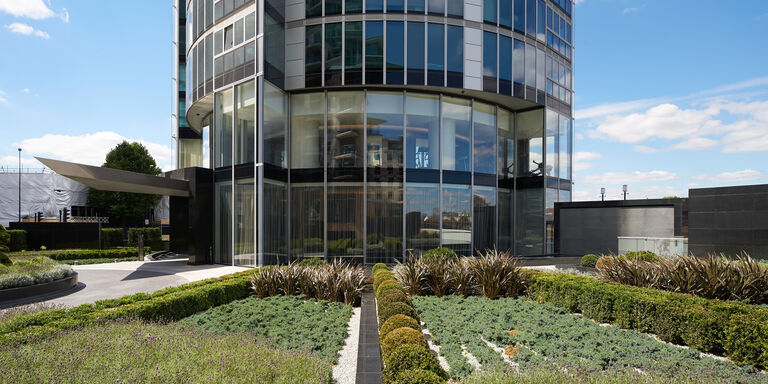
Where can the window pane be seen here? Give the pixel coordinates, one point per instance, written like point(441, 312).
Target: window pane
point(332, 7)
point(506, 220)
point(307, 126)
point(229, 37)
point(565, 148)
point(456, 135)
point(506, 144)
point(518, 62)
point(489, 61)
point(505, 13)
point(385, 130)
point(529, 195)
point(208, 59)
point(217, 42)
point(239, 32)
point(276, 214)
point(530, 65)
point(223, 223)
point(415, 53)
point(223, 128)
point(314, 8)
point(455, 56)
point(353, 6)
point(529, 129)
point(374, 52)
point(457, 218)
point(484, 217)
point(250, 26)
point(489, 11)
point(345, 130)
point(274, 50)
point(274, 126)
point(416, 6)
point(484, 140)
point(333, 54)
point(456, 8)
point(436, 7)
point(540, 70)
point(245, 210)
point(395, 40)
point(550, 146)
point(422, 216)
point(245, 132)
point(374, 5)
point(436, 54)
point(307, 220)
point(384, 222)
point(541, 27)
point(395, 6)
point(505, 65)
point(520, 16)
point(345, 220)
point(423, 131)
point(353, 53)
point(208, 13)
point(314, 56)
point(530, 17)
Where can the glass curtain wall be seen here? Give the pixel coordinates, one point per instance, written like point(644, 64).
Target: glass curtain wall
point(307, 130)
point(223, 223)
point(222, 142)
point(484, 140)
point(275, 220)
point(423, 131)
point(506, 179)
point(529, 192)
point(245, 127)
point(457, 218)
point(307, 217)
point(457, 135)
point(484, 217)
point(422, 217)
point(274, 126)
point(245, 208)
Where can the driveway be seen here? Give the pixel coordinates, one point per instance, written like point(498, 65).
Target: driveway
point(112, 280)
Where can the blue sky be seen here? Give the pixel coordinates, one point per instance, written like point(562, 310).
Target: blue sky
point(669, 94)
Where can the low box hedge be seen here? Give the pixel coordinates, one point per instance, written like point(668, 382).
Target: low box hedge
point(112, 237)
point(737, 330)
point(171, 303)
point(152, 237)
point(79, 254)
point(18, 241)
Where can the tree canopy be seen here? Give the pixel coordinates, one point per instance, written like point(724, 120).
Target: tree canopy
point(123, 208)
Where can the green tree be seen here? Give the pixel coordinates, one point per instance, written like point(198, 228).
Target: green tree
point(123, 208)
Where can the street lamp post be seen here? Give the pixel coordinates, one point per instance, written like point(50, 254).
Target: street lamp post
point(602, 194)
point(624, 189)
point(19, 185)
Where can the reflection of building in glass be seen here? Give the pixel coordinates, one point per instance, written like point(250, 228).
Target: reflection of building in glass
point(380, 133)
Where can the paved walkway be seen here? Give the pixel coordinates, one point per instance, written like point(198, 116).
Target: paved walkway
point(112, 280)
point(368, 353)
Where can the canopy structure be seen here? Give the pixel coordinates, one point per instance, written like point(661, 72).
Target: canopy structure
point(107, 179)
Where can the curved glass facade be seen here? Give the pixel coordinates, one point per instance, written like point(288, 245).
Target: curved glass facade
point(380, 133)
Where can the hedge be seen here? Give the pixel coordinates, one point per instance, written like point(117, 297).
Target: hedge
point(79, 254)
point(168, 304)
point(152, 237)
point(737, 330)
point(18, 240)
point(407, 357)
point(398, 321)
point(112, 237)
point(399, 337)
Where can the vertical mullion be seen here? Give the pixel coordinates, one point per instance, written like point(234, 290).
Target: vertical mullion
point(472, 177)
point(325, 175)
point(405, 182)
point(232, 172)
point(259, 186)
point(365, 177)
point(440, 166)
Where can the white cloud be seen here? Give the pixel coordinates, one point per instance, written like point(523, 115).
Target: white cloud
point(90, 148)
point(26, 90)
point(3, 98)
point(629, 178)
point(694, 144)
point(32, 9)
point(732, 177)
point(665, 121)
point(614, 192)
point(28, 30)
point(644, 149)
point(633, 9)
point(12, 162)
point(582, 160)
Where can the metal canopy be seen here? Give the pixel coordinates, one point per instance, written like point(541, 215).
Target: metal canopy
point(108, 179)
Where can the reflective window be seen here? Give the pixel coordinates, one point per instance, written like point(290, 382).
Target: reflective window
point(422, 216)
point(345, 130)
point(505, 13)
point(345, 220)
point(530, 65)
point(222, 142)
point(384, 222)
point(245, 128)
point(518, 67)
point(245, 209)
point(223, 223)
point(435, 54)
point(209, 61)
point(374, 52)
point(385, 130)
point(457, 218)
point(484, 140)
point(541, 27)
point(489, 11)
point(519, 16)
point(250, 26)
point(333, 54)
point(506, 220)
point(505, 65)
point(217, 42)
point(436, 7)
point(274, 49)
point(353, 6)
point(314, 56)
point(529, 195)
point(332, 7)
point(484, 217)
point(239, 32)
point(529, 130)
point(456, 8)
point(456, 149)
point(274, 126)
point(550, 146)
point(374, 5)
point(395, 6)
point(415, 53)
point(307, 126)
point(540, 70)
point(564, 150)
point(489, 61)
point(506, 143)
point(276, 214)
point(530, 17)
point(416, 6)
point(353, 53)
point(422, 131)
point(455, 56)
point(307, 218)
point(395, 54)
point(208, 13)
point(314, 8)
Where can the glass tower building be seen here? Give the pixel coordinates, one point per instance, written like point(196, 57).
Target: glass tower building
point(365, 129)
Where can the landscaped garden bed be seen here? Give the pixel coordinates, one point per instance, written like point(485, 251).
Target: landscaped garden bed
point(23, 272)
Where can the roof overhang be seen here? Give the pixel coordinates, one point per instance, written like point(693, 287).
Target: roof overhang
point(108, 179)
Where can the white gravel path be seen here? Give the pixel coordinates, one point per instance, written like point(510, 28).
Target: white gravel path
point(345, 371)
point(435, 348)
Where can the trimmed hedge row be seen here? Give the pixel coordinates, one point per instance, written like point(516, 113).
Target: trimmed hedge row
point(736, 330)
point(79, 254)
point(18, 240)
point(167, 304)
point(404, 348)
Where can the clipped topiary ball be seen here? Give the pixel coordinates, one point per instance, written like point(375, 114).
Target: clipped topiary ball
point(378, 266)
point(392, 296)
point(378, 283)
point(388, 287)
point(418, 376)
point(390, 310)
point(409, 357)
point(401, 336)
point(398, 321)
point(439, 254)
point(589, 260)
point(383, 275)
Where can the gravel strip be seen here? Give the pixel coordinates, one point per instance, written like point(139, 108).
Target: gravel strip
point(435, 348)
point(345, 371)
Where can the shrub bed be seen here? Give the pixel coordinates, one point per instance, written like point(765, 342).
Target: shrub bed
point(30, 271)
point(112, 237)
point(18, 240)
point(99, 261)
point(171, 303)
point(152, 237)
point(398, 321)
point(337, 281)
point(77, 254)
point(589, 260)
point(409, 357)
